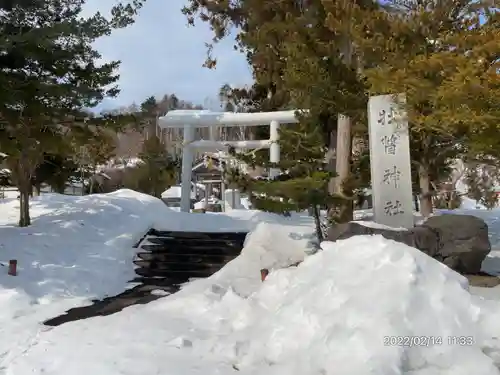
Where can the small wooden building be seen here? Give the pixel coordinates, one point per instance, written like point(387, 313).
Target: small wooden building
point(207, 176)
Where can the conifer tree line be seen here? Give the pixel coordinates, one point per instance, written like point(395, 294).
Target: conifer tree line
point(324, 55)
point(329, 56)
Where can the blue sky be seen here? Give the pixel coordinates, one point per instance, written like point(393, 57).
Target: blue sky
point(161, 55)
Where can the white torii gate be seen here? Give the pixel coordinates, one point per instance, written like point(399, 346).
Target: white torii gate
point(189, 120)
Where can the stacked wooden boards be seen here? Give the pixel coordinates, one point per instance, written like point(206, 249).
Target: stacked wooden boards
point(168, 258)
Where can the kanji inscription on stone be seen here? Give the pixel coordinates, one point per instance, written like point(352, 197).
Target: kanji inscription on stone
point(390, 161)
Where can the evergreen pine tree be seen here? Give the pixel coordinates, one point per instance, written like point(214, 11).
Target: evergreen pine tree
point(297, 62)
point(303, 182)
point(156, 173)
point(50, 68)
point(444, 56)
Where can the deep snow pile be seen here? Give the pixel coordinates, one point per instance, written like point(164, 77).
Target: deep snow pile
point(327, 316)
point(83, 246)
point(332, 314)
point(136, 340)
point(271, 245)
point(76, 246)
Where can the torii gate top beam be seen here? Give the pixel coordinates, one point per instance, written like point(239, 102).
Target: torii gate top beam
point(205, 118)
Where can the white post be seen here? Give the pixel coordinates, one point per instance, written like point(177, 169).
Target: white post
point(187, 165)
point(274, 149)
point(222, 192)
point(207, 193)
point(212, 133)
point(222, 161)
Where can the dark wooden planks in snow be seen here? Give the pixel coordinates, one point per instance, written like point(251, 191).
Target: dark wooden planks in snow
point(175, 258)
point(184, 257)
point(196, 242)
point(161, 282)
point(175, 266)
point(168, 261)
point(180, 273)
point(199, 235)
point(141, 239)
point(209, 249)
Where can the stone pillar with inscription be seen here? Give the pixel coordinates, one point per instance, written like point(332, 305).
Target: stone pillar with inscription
point(390, 161)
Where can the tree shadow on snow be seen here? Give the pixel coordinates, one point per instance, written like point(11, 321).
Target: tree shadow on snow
point(74, 247)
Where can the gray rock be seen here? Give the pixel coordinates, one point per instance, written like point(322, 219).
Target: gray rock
point(459, 241)
point(464, 242)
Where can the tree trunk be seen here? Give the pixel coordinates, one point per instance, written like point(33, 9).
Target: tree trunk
point(343, 150)
point(415, 202)
point(317, 222)
point(60, 187)
point(343, 166)
point(22, 170)
point(36, 190)
point(151, 130)
point(425, 190)
point(331, 155)
point(24, 207)
point(233, 196)
point(451, 199)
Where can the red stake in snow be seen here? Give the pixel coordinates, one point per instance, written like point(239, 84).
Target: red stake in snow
point(263, 274)
point(13, 267)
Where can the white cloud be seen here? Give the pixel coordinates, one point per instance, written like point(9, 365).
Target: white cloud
point(161, 55)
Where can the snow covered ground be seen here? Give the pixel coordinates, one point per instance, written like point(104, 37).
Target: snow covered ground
point(471, 204)
point(344, 310)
